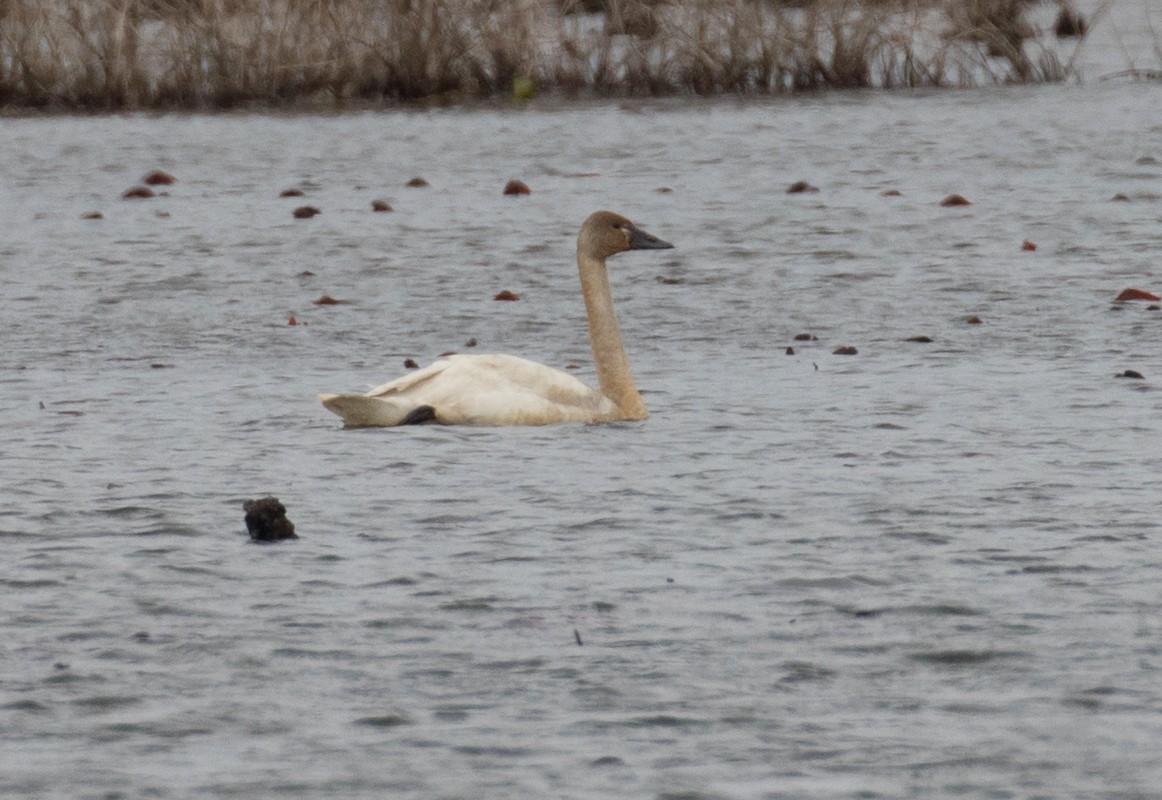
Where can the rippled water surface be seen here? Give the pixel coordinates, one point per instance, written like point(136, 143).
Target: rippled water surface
point(927, 569)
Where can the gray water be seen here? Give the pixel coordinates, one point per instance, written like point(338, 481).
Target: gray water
point(929, 569)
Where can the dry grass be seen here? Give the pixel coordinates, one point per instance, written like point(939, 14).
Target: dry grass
point(124, 54)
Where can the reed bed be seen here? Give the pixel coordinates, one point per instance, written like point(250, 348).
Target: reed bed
point(138, 54)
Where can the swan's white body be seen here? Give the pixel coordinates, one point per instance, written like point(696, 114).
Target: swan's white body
point(508, 390)
point(478, 390)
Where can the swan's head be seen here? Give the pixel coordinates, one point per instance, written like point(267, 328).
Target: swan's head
point(604, 234)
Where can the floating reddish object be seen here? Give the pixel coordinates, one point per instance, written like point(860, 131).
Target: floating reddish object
point(1027, 245)
point(291, 193)
point(159, 178)
point(513, 188)
point(93, 215)
point(380, 205)
point(891, 193)
point(973, 320)
point(410, 363)
point(506, 295)
point(801, 187)
point(955, 200)
point(327, 300)
point(306, 212)
point(292, 320)
point(138, 193)
point(1135, 294)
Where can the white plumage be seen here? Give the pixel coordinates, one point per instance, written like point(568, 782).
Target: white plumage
point(509, 390)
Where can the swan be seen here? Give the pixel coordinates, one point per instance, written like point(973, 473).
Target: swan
point(500, 389)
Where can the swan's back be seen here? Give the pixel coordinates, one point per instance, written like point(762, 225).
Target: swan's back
point(485, 389)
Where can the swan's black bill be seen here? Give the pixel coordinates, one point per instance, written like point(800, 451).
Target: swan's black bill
point(640, 240)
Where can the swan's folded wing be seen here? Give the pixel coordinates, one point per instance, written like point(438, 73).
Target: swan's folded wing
point(484, 389)
point(361, 411)
point(405, 383)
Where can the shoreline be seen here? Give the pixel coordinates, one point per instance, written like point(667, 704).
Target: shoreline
point(271, 55)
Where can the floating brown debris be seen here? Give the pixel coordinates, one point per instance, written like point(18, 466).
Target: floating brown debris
point(306, 212)
point(1131, 373)
point(1135, 294)
point(955, 200)
point(1120, 198)
point(665, 281)
point(801, 187)
point(515, 188)
point(292, 320)
point(973, 320)
point(417, 183)
point(806, 337)
point(159, 178)
point(447, 353)
point(891, 193)
point(505, 294)
point(920, 339)
point(664, 190)
point(845, 350)
point(381, 206)
point(291, 193)
point(138, 193)
point(92, 215)
point(266, 520)
point(327, 300)
point(410, 363)
point(790, 351)
point(1027, 245)
point(471, 342)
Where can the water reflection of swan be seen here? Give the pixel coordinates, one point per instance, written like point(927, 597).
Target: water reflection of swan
point(507, 390)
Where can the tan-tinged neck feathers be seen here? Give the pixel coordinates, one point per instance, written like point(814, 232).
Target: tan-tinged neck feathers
point(609, 357)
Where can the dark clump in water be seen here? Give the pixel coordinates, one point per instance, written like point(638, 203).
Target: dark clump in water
point(1135, 294)
point(159, 178)
point(266, 520)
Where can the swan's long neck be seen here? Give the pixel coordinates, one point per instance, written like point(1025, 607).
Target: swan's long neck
point(605, 338)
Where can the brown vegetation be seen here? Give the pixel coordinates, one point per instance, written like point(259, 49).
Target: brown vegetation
point(116, 54)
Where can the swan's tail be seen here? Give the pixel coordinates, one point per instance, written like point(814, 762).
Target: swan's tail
point(361, 411)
